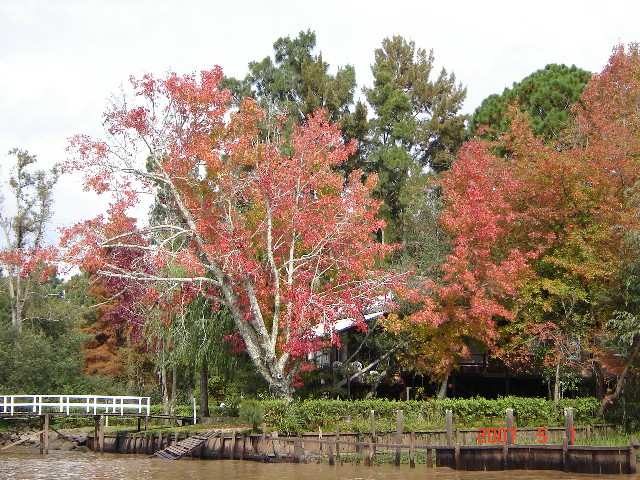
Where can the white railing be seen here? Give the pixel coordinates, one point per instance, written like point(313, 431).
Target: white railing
point(77, 404)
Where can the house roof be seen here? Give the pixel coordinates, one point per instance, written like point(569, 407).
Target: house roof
point(377, 309)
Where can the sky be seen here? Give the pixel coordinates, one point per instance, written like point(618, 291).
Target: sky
point(60, 60)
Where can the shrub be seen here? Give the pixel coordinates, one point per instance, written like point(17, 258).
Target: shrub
point(251, 411)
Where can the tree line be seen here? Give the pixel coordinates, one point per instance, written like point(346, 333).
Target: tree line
point(284, 201)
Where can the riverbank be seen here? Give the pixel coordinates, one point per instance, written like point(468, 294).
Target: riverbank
point(29, 440)
point(458, 449)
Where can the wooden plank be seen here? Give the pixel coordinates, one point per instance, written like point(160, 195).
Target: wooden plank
point(182, 447)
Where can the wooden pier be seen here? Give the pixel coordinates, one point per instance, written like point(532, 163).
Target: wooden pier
point(336, 448)
point(503, 448)
point(96, 406)
point(11, 405)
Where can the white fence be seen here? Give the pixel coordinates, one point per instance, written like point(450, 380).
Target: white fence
point(77, 404)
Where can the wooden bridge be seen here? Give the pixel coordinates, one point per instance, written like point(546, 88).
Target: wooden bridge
point(11, 405)
point(96, 406)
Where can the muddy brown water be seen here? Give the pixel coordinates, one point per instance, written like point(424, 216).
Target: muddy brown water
point(75, 465)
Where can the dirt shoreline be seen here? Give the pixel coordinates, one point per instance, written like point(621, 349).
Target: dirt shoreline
point(29, 440)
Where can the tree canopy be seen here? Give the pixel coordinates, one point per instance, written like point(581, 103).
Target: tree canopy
point(543, 235)
point(546, 96)
point(272, 233)
point(416, 126)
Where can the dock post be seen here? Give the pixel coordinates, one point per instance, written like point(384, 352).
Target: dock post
point(44, 434)
point(374, 438)
point(101, 432)
point(297, 450)
point(332, 460)
point(399, 431)
point(510, 437)
point(510, 429)
point(565, 455)
point(96, 426)
point(221, 447)
point(412, 450)
point(233, 445)
point(449, 415)
point(632, 454)
point(568, 425)
point(367, 455)
point(263, 442)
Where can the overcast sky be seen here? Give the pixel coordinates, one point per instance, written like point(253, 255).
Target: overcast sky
point(61, 59)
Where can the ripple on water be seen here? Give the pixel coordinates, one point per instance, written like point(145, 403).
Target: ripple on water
point(90, 466)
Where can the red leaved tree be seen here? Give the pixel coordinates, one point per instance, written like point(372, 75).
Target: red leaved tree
point(261, 224)
point(542, 235)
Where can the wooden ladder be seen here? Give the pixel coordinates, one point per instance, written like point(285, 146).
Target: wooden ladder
point(183, 447)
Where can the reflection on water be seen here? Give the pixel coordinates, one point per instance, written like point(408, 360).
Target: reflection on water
point(74, 465)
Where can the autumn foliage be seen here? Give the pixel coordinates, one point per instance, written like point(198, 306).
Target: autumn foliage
point(541, 233)
point(263, 225)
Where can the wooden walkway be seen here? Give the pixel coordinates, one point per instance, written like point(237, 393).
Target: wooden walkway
point(11, 405)
point(183, 447)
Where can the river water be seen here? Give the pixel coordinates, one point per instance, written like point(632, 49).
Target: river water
point(76, 465)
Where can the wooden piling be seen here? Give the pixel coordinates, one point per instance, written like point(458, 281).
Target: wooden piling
point(565, 455)
point(367, 455)
point(429, 458)
point(96, 425)
point(569, 432)
point(412, 450)
point(263, 442)
point(374, 438)
point(221, 447)
point(399, 431)
point(233, 445)
point(44, 434)
point(632, 455)
point(332, 459)
point(509, 414)
point(297, 450)
point(449, 420)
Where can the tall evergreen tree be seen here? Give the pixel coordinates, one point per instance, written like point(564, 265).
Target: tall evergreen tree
point(296, 82)
point(545, 96)
point(417, 127)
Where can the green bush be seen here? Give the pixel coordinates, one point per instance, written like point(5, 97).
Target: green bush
point(346, 415)
point(251, 411)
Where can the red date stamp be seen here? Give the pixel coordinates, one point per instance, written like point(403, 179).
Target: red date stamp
point(508, 435)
